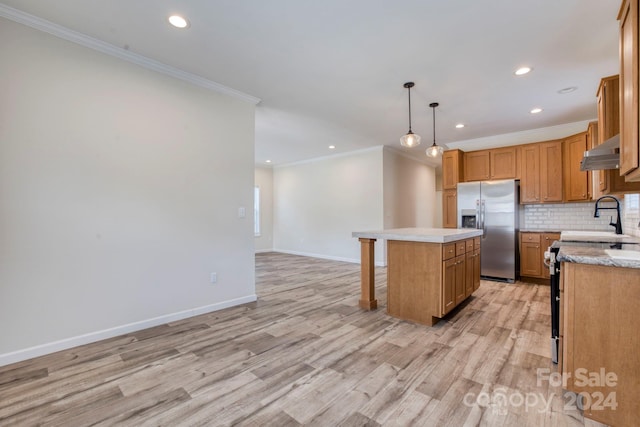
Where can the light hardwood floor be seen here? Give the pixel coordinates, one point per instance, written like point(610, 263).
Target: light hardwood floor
point(305, 354)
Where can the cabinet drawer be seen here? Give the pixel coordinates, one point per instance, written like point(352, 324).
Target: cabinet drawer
point(461, 248)
point(531, 237)
point(470, 245)
point(448, 251)
point(476, 243)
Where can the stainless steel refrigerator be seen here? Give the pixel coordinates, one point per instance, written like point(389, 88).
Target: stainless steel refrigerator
point(493, 207)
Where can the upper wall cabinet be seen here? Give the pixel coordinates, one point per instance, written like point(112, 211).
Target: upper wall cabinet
point(576, 182)
point(452, 172)
point(629, 144)
point(499, 163)
point(476, 165)
point(502, 163)
point(541, 174)
point(608, 108)
point(608, 181)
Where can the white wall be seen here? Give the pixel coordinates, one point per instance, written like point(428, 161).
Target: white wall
point(119, 190)
point(409, 192)
point(264, 180)
point(318, 204)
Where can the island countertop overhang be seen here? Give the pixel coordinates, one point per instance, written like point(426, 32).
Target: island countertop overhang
point(428, 235)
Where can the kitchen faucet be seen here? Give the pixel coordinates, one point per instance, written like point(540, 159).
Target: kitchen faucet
point(617, 224)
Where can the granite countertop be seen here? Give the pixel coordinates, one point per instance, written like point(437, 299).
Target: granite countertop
point(625, 255)
point(428, 235)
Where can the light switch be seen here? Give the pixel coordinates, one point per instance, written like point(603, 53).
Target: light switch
point(242, 212)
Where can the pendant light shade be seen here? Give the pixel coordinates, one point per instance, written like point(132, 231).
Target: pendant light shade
point(435, 150)
point(410, 139)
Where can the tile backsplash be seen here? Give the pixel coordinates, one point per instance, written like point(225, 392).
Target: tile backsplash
point(579, 216)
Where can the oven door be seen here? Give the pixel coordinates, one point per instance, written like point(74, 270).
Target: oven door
point(554, 281)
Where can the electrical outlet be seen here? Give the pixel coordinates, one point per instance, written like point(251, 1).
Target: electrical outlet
point(214, 277)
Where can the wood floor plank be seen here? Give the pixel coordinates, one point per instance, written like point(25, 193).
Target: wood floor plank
point(303, 354)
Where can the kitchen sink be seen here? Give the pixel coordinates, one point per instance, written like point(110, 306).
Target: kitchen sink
point(623, 254)
point(593, 236)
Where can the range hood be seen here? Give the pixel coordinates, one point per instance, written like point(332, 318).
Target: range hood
point(604, 156)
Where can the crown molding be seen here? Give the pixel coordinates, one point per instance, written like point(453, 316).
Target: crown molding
point(330, 156)
point(118, 52)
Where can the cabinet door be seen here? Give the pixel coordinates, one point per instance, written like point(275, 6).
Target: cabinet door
point(448, 285)
point(460, 278)
point(608, 108)
point(476, 165)
point(451, 169)
point(449, 209)
point(629, 150)
point(472, 272)
point(530, 174)
point(576, 182)
point(550, 172)
point(476, 269)
point(503, 163)
point(530, 262)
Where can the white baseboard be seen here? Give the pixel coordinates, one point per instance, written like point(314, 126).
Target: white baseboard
point(329, 257)
point(40, 350)
point(262, 251)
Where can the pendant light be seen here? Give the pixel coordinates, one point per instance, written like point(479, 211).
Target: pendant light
point(435, 150)
point(410, 139)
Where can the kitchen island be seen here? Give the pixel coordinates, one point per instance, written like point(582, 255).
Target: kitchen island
point(429, 270)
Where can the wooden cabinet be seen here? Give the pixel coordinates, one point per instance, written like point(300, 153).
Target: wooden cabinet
point(477, 165)
point(449, 285)
point(600, 340)
point(609, 181)
point(541, 173)
point(530, 255)
point(551, 189)
point(452, 172)
point(576, 182)
point(499, 163)
point(460, 287)
point(629, 143)
point(449, 209)
point(530, 174)
point(532, 248)
point(425, 281)
point(472, 271)
point(502, 163)
point(608, 96)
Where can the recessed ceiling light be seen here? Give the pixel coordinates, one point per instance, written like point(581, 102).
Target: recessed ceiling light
point(267, 161)
point(536, 111)
point(331, 147)
point(178, 21)
point(568, 90)
point(459, 125)
point(522, 71)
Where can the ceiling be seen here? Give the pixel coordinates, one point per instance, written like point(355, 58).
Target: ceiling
point(331, 72)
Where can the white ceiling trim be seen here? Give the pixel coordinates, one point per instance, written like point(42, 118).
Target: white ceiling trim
point(118, 52)
point(330, 156)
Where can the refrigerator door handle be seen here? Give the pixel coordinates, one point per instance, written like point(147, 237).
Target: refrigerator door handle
point(478, 218)
point(482, 212)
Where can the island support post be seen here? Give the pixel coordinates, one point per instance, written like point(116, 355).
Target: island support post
point(367, 275)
